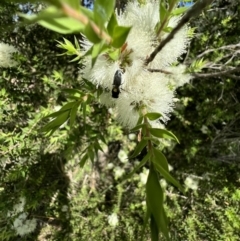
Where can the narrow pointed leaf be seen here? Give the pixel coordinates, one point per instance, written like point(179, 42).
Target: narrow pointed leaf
point(142, 163)
point(161, 159)
point(179, 11)
point(120, 35)
point(55, 114)
point(140, 120)
point(112, 24)
point(139, 148)
point(102, 11)
point(154, 229)
point(138, 127)
point(155, 201)
point(161, 133)
point(167, 175)
point(153, 116)
point(57, 122)
point(83, 160)
point(73, 113)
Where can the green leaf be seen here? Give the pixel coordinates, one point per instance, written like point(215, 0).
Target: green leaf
point(178, 11)
point(87, 12)
point(83, 160)
point(73, 93)
point(161, 133)
point(153, 116)
point(154, 229)
point(112, 24)
point(160, 158)
point(155, 202)
point(84, 109)
point(142, 163)
point(91, 154)
point(97, 147)
point(139, 148)
point(162, 11)
point(167, 175)
point(55, 114)
point(96, 50)
point(63, 25)
point(68, 46)
point(53, 19)
point(138, 127)
point(57, 122)
point(120, 35)
point(140, 120)
point(167, 29)
point(47, 14)
point(73, 3)
point(91, 35)
point(76, 43)
point(68, 106)
point(73, 113)
point(114, 55)
point(102, 10)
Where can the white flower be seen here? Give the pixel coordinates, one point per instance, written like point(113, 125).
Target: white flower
point(21, 224)
point(140, 87)
point(149, 90)
point(122, 155)
point(24, 226)
point(144, 176)
point(64, 208)
point(17, 208)
point(163, 183)
point(191, 183)
point(113, 220)
point(118, 172)
point(6, 52)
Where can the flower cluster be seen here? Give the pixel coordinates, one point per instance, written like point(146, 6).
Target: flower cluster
point(6, 52)
point(21, 224)
point(149, 86)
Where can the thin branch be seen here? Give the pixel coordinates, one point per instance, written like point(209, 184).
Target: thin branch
point(220, 73)
point(228, 47)
point(159, 71)
point(233, 76)
point(194, 11)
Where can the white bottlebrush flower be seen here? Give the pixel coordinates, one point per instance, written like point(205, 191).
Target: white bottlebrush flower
point(21, 224)
point(191, 183)
point(140, 87)
point(118, 172)
point(113, 220)
point(64, 208)
point(24, 226)
point(149, 90)
point(123, 157)
point(6, 52)
point(18, 207)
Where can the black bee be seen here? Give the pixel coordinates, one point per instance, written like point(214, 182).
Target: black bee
point(117, 81)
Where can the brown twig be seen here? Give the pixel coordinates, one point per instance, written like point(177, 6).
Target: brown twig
point(84, 19)
point(159, 71)
point(194, 11)
point(226, 47)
